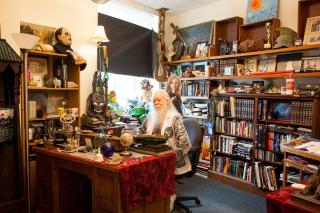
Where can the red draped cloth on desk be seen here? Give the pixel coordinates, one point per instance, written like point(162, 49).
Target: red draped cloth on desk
point(149, 179)
point(280, 202)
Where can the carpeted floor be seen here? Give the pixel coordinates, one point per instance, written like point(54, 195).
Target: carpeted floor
point(218, 198)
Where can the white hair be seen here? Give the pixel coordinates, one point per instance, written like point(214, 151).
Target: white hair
point(163, 92)
point(157, 117)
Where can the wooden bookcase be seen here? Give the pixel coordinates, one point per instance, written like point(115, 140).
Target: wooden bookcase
point(50, 96)
point(258, 30)
point(314, 126)
point(71, 95)
point(306, 9)
point(227, 30)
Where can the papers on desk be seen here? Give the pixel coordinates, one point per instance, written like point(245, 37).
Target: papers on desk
point(305, 143)
point(312, 146)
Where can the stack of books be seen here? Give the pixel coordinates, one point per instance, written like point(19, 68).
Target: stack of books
point(151, 144)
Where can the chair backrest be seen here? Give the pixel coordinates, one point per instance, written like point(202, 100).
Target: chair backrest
point(195, 133)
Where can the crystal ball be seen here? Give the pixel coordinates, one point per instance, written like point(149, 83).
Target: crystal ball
point(107, 149)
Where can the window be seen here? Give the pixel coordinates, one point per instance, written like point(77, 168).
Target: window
point(128, 87)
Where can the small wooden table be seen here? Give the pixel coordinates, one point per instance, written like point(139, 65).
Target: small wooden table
point(290, 163)
point(68, 183)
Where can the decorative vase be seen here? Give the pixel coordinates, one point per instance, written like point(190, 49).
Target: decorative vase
point(107, 149)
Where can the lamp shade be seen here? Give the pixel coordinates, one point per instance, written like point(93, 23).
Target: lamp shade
point(100, 35)
point(24, 40)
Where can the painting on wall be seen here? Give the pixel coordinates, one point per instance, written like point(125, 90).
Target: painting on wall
point(259, 10)
point(45, 33)
point(200, 33)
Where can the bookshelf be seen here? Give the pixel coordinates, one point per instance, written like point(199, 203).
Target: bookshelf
point(265, 156)
point(48, 93)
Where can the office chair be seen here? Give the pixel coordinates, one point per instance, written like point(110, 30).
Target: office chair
point(195, 133)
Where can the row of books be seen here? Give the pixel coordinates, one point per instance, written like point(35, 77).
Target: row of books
point(236, 108)
point(290, 111)
point(203, 168)
point(266, 155)
point(236, 168)
point(261, 175)
point(271, 139)
point(238, 128)
point(301, 112)
point(195, 88)
point(262, 110)
point(265, 177)
point(229, 145)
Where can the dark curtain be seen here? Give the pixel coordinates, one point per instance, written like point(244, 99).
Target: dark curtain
point(130, 47)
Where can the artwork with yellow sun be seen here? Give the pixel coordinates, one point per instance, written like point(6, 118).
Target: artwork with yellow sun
point(259, 10)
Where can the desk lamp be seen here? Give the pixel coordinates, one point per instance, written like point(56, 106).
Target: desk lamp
point(25, 42)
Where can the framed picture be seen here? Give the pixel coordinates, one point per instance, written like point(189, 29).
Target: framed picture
point(250, 66)
point(267, 65)
point(281, 111)
point(311, 64)
point(312, 31)
point(259, 10)
point(201, 50)
point(45, 33)
point(203, 32)
point(288, 65)
point(38, 66)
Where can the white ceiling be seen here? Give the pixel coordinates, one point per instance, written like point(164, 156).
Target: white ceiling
point(175, 6)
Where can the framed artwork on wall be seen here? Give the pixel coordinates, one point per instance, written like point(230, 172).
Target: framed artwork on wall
point(200, 33)
point(312, 32)
point(259, 10)
point(45, 33)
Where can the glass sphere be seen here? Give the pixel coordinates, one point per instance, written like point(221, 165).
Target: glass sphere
point(107, 149)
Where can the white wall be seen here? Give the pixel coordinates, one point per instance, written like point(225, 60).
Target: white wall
point(79, 16)
point(288, 14)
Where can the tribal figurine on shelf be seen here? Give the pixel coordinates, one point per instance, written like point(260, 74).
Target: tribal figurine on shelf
point(63, 45)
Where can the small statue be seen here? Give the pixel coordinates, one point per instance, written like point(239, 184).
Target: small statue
point(170, 52)
point(56, 83)
point(312, 186)
point(63, 45)
point(146, 88)
point(96, 106)
point(251, 45)
point(268, 29)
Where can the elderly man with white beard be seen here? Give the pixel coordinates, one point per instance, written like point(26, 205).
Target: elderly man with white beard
point(165, 120)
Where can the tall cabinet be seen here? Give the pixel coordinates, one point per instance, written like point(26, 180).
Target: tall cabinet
point(12, 159)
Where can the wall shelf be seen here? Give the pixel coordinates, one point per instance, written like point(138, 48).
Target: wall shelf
point(41, 53)
point(52, 89)
point(256, 53)
point(195, 97)
point(196, 116)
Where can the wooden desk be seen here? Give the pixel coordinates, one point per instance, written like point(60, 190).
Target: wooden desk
point(66, 183)
point(289, 163)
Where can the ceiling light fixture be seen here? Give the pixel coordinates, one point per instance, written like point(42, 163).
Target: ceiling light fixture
point(100, 1)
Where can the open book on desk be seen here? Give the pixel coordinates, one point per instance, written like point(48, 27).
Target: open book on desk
point(305, 143)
